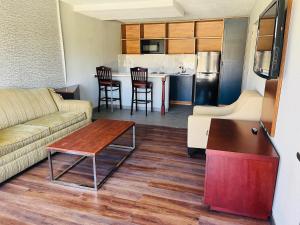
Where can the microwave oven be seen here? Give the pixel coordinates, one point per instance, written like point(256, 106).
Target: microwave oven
point(153, 46)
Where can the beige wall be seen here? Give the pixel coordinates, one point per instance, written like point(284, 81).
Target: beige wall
point(30, 44)
point(286, 206)
point(88, 43)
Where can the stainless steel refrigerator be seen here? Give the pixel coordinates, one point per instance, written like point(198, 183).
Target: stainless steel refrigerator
point(207, 78)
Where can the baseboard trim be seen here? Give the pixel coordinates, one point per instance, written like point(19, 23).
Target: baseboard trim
point(194, 152)
point(272, 221)
point(172, 102)
point(141, 107)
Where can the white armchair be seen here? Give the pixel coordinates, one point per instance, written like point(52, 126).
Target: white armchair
point(247, 107)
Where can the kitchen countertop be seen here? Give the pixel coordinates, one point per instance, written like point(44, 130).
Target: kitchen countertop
point(152, 75)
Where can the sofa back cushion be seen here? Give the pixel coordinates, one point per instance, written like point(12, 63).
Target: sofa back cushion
point(20, 105)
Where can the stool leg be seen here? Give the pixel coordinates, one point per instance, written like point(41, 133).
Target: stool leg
point(111, 98)
point(151, 99)
point(106, 99)
point(132, 97)
point(120, 97)
point(136, 99)
point(99, 100)
point(146, 101)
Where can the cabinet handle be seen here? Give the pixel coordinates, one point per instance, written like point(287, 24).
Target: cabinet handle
point(298, 156)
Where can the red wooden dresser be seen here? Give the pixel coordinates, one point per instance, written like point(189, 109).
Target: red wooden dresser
point(241, 169)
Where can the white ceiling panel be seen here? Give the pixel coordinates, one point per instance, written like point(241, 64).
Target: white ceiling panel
point(160, 10)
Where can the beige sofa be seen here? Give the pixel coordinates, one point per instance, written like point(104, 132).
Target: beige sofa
point(247, 107)
point(30, 119)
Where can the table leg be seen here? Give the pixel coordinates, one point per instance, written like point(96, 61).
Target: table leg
point(111, 98)
point(133, 137)
point(95, 173)
point(50, 165)
point(163, 108)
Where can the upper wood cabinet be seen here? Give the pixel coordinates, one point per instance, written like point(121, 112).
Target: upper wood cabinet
point(214, 28)
point(131, 47)
point(209, 45)
point(153, 31)
point(131, 31)
point(181, 30)
point(265, 43)
point(266, 27)
point(187, 37)
point(181, 46)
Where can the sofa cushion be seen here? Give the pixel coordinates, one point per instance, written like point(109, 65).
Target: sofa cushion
point(18, 136)
point(20, 105)
point(58, 120)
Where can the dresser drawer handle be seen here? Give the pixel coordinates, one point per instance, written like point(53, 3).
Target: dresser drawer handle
point(298, 156)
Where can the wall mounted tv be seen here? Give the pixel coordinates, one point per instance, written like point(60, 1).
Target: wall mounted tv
point(270, 40)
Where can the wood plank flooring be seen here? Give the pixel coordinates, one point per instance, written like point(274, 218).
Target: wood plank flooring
point(158, 184)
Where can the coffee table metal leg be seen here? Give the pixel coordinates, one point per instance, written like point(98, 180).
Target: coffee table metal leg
point(133, 137)
point(97, 184)
point(123, 147)
point(50, 165)
point(95, 173)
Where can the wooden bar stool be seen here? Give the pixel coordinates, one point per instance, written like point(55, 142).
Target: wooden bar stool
point(105, 80)
point(139, 80)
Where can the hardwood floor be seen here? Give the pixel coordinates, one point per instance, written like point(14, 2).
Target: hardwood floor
point(158, 184)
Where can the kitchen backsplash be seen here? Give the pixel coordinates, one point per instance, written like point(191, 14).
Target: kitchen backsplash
point(158, 63)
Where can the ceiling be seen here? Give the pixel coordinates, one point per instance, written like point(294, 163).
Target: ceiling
point(161, 10)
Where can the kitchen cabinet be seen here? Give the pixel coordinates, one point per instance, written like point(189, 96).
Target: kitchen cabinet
point(131, 46)
point(181, 89)
point(181, 30)
point(131, 31)
point(186, 37)
point(181, 46)
point(154, 31)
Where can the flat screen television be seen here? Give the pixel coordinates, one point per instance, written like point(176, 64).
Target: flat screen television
point(269, 41)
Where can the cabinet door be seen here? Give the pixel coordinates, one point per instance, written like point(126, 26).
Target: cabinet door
point(131, 47)
point(240, 184)
point(181, 89)
point(184, 46)
point(235, 36)
point(131, 31)
point(210, 28)
point(154, 31)
point(181, 30)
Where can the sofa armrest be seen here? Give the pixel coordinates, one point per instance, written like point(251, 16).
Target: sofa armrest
point(73, 105)
point(198, 130)
point(212, 110)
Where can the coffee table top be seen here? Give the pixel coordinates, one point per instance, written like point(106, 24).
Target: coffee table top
point(93, 138)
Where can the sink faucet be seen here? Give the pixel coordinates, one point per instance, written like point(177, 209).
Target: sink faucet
point(182, 69)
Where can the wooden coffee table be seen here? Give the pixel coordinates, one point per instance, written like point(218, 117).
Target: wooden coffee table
point(89, 142)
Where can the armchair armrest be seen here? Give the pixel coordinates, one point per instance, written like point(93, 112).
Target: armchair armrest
point(72, 105)
point(198, 130)
point(212, 110)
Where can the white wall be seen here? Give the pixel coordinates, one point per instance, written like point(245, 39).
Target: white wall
point(30, 45)
point(88, 43)
point(250, 80)
point(286, 207)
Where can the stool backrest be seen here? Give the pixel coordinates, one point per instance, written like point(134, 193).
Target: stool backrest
point(139, 74)
point(103, 73)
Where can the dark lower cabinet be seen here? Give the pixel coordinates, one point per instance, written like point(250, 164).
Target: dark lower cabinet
point(181, 89)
